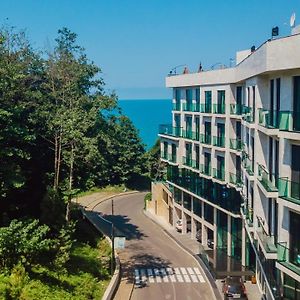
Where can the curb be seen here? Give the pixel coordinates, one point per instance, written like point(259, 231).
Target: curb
point(207, 274)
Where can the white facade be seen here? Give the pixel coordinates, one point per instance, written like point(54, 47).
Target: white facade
point(254, 115)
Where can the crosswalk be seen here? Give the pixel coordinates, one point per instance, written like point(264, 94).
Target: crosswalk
point(168, 275)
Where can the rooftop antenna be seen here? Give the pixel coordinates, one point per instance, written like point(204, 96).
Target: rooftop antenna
point(293, 20)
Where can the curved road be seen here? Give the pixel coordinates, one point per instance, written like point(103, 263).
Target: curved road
point(149, 248)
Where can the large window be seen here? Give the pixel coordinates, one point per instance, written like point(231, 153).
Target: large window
point(208, 213)
point(187, 201)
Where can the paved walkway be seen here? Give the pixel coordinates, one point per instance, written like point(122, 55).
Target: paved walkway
point(193, 247)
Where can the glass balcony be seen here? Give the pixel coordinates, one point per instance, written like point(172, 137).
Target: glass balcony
point(194, 107)
point(248, 165)
point(219, 141)
point(195, 164)
point(205, 169)
point(192, 135)
point(176, 106)
point(268, 119)
point(206, 108)
point(187, 161)
point(164, 155)
point(219, 174)
point(236, 179)
point(248, 114)
point(205, 139)
point(266, 179)
point(219, 108)
point(235, 109)
point(172, 158)
point(248, 213)
point(289, 190)
point(289, 258)
point(236, 144)
point(167, 129)
point(289, 121)
point(268, 241)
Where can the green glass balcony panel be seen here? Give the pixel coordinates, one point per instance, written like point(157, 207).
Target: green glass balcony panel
point(205, 169)
point(172, 158)
point(289, 190)
point(167, 129)
point(236, 179)
point(269, 119)
point(266, 180)
point(248, 166)
point(176, 106)
point(195, 164)
point(219, 174)
point(288, 257)
point(191, 135)
point(236, 144)
point(235, 109)
point(193, 107)
point(164, 155)
point(205, 139)
point(187, 161)
point(219, 108)
point(219, 141)
point(248, 213)
point(248, 114)
point(206, 108)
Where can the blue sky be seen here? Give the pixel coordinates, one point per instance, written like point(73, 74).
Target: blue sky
point(137, 42)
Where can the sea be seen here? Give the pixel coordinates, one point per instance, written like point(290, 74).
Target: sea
point(146, 115)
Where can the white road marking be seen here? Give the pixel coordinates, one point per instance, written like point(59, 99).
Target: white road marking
point(178, 275)
point(164, 274)
point(192, 274)
point(183, 271)
point(197, 271)
point(137, 276)
point(150, 275)
point(143, 275)
point(201, 279)
point(157, 276)
point(171, 274)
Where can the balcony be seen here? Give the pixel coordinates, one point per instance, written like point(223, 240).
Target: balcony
point(219, 141)
point(205, 169)
point(236, 180)
point(206, 108)
point(236, 144)
point(187, 161)
point(267, 241)
point(219, 108)
point(289, 190)
point(193, 107)
point(288, 258)
point(167, 129)
point(176, 106)
point(205, 139)
point(172, 158)
point(266, 179)
point(248, 114)
point(248, 165)
point(164, 155)
point(248, 213)
point(219, 174)
point(195, 164)
point(268, 118)
point(191, 135)
point(236, 109)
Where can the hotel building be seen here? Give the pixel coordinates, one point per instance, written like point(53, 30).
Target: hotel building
point(233, 163)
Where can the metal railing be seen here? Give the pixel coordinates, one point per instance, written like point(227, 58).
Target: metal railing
point(219, 141)
point(168, 129)
point(236, 109)
point(219, 108)
point(219, 174)
point(236, 179)
point(289, 257)
point(268, 241)
point(289, 190)
point(236, 144)
point(268, 181)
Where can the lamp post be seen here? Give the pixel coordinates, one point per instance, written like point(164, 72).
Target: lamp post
point(112, 239)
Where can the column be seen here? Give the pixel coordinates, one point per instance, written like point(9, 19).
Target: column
point(229, 252)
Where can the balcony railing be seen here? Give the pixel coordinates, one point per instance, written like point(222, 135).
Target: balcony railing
point(205, 169)
point(289, 190)
point(194, 107)
point(219, 174)
point(248, 165)
point(219, 108)
point(268, 118)
point(266, 180)
point(236, 144)
point(192, 135)
point(187, 161)
point(248, 114)
point(205, 108)
point(248, 213)
point(219, 141)
point(205, 139)
point(236, 109)
point(268, 241)
point(236, 179)
point(167, 129)
point(164, 155)
point(195, 164)
point(176, 106)
point(289, 258)
point(172, 158)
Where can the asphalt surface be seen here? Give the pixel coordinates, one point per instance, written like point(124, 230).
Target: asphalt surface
point(150, 251)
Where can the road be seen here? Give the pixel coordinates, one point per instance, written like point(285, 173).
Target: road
point(160, 268)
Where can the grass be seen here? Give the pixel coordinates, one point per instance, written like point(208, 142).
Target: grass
point(108, 189)
point(86, 275)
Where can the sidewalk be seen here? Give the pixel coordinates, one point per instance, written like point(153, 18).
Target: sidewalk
point(193, 247)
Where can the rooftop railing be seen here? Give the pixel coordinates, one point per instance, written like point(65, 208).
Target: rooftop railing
point(289, 190)
point(267, 180)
